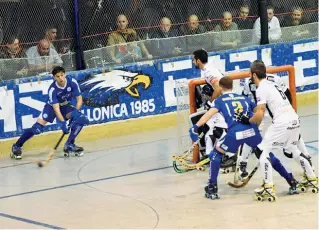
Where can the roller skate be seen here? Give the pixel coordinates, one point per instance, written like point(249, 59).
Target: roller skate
point(308, 183)
point(72, 148)
point(243, 171)
point(16, 152)
point(293, 185)
point(265, 192)
point(211, 192)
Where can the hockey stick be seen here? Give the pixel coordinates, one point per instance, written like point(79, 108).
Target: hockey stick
point(200, 165)
point(240, 149)
point(45, 162)
point(245, 182)
point(183, 157)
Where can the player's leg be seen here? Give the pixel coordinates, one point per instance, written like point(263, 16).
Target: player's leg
point(302, 147)
point(267, 188)
point(47, 115)
point(310, 179)
point(227, 142)
point(77, 121)
point(245, 151)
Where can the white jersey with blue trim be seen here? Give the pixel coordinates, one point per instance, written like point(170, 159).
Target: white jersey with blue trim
point(211, 74)
point(63, 95)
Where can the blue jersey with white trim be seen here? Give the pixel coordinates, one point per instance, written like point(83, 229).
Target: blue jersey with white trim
point(63, 95)
point(229, 103)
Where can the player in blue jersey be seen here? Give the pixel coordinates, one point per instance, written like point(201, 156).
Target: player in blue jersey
point(238, 134)
point(61, 92)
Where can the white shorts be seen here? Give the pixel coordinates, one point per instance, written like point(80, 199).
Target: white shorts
point(282, 135)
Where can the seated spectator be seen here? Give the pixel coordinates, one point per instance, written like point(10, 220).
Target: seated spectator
point(228, 36)
point(129, 52)
point(293, 20)
point(274, 30)
point(120, 37)
point(43, 58)
point(51, 34)
point(244, 22)
point(191, 28)
point(17, 66)
point(166, 47)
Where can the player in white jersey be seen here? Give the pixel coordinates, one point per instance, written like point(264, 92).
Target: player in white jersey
point(250, 91)
point(217, 124)
point(283, 133)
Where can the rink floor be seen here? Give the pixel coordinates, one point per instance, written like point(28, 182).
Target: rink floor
point(129, 182)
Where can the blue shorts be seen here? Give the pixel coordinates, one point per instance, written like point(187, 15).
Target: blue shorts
point(48, 113)
point(231, 140)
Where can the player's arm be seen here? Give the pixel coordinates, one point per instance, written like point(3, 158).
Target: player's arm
point(77, 94)
point(217, 91)
point(193, 132)
point(79, 102)
point(56, 108)
point(203, 120)
point(259, 114)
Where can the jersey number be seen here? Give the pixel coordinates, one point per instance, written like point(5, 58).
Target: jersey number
point(238, 108)
point(283, 95)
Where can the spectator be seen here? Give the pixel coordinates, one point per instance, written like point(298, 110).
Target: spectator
point(166, 47)
point(193, 27)
point(274, 30)
point(130, 52)
point(120, 36)
point(17, 66)
point(43, 58)
point(295, 20)
point(51, 34)
point(244, 22)
point(228, 36)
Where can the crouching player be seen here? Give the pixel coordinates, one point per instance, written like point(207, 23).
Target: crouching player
point(238, 134)
point(61, 91)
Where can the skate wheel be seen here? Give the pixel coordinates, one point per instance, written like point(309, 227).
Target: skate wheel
point(66, 155)
point(271, 199)
point(259, 198)
point(201, 168)
point(303, 189)
point(314, 190)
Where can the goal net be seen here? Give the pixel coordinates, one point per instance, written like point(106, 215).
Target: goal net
point(186, 100)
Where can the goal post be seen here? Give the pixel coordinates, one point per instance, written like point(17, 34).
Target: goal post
point(184, 103)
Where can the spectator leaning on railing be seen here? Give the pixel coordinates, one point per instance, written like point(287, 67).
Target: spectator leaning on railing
point(274, 30)
point(295, 20)
point(244, 22)
point(166, 47)
point(43, 58)
point(193, 27)
point(120, 37)
point(228, 36)
point(16, 64)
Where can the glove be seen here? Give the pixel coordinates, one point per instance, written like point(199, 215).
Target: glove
point(64, 127)
point(193, 133)
point(242, 118)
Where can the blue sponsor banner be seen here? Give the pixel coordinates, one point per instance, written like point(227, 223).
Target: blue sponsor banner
point(144, 89)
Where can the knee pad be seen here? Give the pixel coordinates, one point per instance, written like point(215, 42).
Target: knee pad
point(218, 132)
point(37, 128)
point(78, 118)
point(257, 152)
point(288, 155)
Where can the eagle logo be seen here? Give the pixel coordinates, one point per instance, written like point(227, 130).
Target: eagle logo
point(104, 89)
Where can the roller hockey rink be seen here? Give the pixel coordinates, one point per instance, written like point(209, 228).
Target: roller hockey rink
point(129, 182)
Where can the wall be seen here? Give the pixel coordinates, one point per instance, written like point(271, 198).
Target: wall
point(143, 89)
